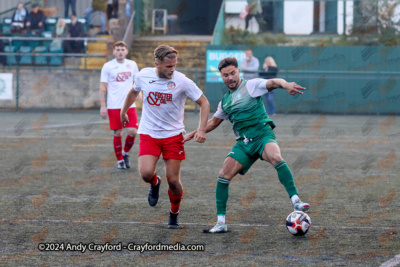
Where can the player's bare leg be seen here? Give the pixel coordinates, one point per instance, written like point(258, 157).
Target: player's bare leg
point(272, 154)
point(230, 168)
point(147, 169)
point(129, 141)
point(118, 148)
point(175, 190)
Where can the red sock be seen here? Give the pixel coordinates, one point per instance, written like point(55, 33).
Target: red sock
point(118, 147)
point(175, 201)
point(154, 181)
point(129, 141)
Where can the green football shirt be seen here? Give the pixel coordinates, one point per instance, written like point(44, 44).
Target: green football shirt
point(245, 109)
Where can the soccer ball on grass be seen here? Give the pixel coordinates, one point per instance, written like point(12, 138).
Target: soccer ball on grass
point(298, 223)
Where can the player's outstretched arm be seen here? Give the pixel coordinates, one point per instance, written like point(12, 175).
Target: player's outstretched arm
point(129, 100)
point(103, 108)
point(292, 88)
point(212, 123)
point(200, 135)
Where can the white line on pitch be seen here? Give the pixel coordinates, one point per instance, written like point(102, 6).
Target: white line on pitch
point(49, 126)
point(393, 262)
point(199, 224)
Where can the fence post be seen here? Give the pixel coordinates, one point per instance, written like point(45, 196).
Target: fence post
point(17, 91)
point(196, 82)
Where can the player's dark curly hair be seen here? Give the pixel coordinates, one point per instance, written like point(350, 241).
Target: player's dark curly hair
point(163, 51)
point(228, 61)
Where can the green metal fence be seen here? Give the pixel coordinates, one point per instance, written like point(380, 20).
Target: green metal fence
point(341, 80)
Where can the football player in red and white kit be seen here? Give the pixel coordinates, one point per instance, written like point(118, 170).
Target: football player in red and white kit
point(161, 126)
point(117, 77)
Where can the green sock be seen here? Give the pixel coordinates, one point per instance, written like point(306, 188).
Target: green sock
point(222, 194)
point(286, 178)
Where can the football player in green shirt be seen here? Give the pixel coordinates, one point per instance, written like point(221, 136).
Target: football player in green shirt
point(244, 108)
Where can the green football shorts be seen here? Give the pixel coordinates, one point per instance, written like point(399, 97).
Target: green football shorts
point(247, 154)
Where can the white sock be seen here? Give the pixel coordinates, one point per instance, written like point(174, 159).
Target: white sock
point(295, 198)
point(124, 153)
point(174, 213)
point(120, 161)
point(221, 218)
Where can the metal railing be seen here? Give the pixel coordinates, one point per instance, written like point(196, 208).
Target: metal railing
point(27, 39)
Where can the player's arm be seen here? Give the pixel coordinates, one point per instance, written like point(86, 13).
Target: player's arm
point(200, 135)
point(103, 107)
point(292, 88)
point(129, 100)
point(212, 123)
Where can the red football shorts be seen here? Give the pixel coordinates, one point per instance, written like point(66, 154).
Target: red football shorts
point(114, 115)
point(171, 147)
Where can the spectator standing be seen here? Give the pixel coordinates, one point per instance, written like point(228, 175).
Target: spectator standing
point(270, 72)
point(71, 3)
point(19, 19)
point(35, 23)
point(75, 30)
point(250, 66)
point(112, 9)
point(101, 7)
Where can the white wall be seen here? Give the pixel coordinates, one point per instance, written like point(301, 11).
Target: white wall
point(349, 16)
point(298, 17)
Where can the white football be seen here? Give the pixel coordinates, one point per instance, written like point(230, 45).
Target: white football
point(298, 223)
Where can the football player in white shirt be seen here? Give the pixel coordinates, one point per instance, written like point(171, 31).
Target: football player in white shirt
point(161, 126)
point(117, 77)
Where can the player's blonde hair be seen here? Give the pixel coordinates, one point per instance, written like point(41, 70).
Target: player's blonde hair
point(165, 51)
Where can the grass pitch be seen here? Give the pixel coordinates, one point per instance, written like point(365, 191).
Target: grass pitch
point(59, 183)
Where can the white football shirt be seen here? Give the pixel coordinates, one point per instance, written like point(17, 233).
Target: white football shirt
point(164, 102)
point(120, 77)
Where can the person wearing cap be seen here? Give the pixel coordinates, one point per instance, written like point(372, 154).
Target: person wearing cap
point(36, 21)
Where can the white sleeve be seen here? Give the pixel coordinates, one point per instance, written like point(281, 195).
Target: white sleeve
point(220, 114)
point(192, 90)
point(104, 74)
point(137, 85)
point(257, 87)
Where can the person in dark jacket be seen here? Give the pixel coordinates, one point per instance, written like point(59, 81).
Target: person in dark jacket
point(270, 71)
point(19, 18)
point(75, 30)
point(35, 23)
